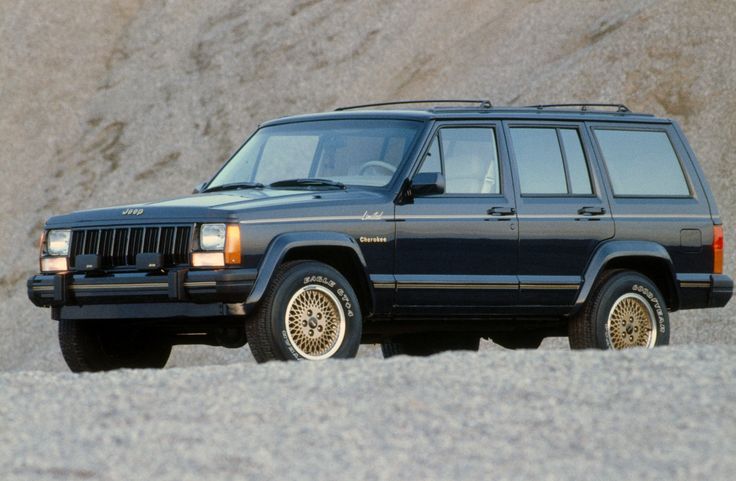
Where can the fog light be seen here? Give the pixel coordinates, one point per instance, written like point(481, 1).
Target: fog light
point(54, 264)
point(208, 259)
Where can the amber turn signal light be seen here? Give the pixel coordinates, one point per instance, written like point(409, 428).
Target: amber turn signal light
point(718, 249)
point(232, 244)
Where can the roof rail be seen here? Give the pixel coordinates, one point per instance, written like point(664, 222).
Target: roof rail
point(583, 107)
point(483, 104)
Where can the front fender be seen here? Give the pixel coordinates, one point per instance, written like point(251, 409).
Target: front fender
point(282, 244)
point(616, 249)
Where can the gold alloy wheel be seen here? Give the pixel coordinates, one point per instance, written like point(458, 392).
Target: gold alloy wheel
point(631, 323)
point(315, 322)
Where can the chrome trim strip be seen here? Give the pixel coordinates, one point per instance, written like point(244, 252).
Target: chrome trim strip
point(384, 285)
point(550, 286)
point(313, 219)
point(156, 285)
point(661, 216)
point(702, 285)
point(442, 216)
point(200, 284)
point(151, 285)
point(423, 285)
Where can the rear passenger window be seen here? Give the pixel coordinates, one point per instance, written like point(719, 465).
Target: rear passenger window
point(550, 161)
point(642, 163)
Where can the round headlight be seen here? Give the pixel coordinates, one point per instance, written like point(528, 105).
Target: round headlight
point(212, 237)
point(57, 242)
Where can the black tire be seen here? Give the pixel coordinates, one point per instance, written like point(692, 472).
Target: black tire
point(90, 346)
point(518, 340)
point(429, 344)
point(267, 332)
point(589, 329)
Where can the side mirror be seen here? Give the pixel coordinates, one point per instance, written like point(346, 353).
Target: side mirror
point(428, 183)
point(199, 188)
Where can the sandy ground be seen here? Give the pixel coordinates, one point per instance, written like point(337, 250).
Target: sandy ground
point(545, 415)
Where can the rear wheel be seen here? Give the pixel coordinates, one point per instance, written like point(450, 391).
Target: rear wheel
point(310, 312)
point(429, 344)
point(91, 345)
point(625, 310)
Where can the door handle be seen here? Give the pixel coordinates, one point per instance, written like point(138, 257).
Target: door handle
point(591, 211)
point(499, 211)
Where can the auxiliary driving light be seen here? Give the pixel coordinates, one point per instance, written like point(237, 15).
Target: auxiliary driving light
point(208, 259)
point(54, 264)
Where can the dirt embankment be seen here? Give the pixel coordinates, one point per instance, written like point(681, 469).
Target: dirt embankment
point(111, 102)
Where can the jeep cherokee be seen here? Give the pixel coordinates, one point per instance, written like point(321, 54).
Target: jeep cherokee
point(423, 229)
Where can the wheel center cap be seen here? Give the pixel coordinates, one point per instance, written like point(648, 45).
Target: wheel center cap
point(312, 322)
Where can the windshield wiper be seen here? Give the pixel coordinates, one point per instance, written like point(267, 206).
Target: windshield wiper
point(308, 183)
point(236, 186)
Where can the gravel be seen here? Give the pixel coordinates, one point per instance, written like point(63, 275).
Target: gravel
point(545, 415)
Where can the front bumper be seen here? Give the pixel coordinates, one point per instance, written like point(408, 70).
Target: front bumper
point(197, 286)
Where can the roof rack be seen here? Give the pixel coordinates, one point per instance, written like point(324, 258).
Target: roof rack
point(582, 107)
point(483, 104)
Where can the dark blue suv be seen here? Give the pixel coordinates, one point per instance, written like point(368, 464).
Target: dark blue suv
point(424, 230)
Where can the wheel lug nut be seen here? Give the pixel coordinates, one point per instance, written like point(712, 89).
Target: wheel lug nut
point(311, 332)
point(304, 323)
point(319, 328)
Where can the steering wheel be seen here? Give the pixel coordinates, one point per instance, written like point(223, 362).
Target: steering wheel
point(378, 164)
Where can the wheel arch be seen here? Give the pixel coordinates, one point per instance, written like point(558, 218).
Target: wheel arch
point(335, 249)
point(648, 258)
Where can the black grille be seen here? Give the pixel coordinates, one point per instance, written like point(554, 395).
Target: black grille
point(118, 246)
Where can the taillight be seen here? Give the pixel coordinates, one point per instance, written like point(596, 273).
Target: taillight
point(718, 249)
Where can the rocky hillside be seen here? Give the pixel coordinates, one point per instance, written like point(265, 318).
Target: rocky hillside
point(108, 102)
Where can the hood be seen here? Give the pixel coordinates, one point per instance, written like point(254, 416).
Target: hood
point(215, 206)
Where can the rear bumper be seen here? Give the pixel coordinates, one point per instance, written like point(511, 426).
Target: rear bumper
point(179, 286)
point(699, 291)
point(721, 291)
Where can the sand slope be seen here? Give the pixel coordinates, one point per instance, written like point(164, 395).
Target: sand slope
point(105, 103)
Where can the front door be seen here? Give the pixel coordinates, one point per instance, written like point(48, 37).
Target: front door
point(562, 206)
point(458, 250)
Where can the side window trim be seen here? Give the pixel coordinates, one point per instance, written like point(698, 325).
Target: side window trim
point(557, 126)
point(640, 128)
point(497, 129)
point(561, 146)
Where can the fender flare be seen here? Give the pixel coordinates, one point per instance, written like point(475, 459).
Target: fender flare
point(282, 244)
point(617, 249)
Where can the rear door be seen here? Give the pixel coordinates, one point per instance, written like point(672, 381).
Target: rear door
point(562, 207)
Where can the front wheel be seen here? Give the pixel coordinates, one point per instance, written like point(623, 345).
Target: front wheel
point(92, 345)
point(625, 310)
point(310, 312)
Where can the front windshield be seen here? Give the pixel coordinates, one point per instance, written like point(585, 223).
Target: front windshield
point(364, 152)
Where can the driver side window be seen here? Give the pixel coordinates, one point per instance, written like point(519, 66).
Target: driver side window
point(468, 159)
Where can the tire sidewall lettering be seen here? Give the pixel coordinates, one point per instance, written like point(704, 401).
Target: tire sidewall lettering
point(654, 301)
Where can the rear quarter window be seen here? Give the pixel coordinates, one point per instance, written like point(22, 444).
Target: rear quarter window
point(642, 163)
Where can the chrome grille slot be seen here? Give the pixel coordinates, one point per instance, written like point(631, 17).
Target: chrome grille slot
point(119, 246)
